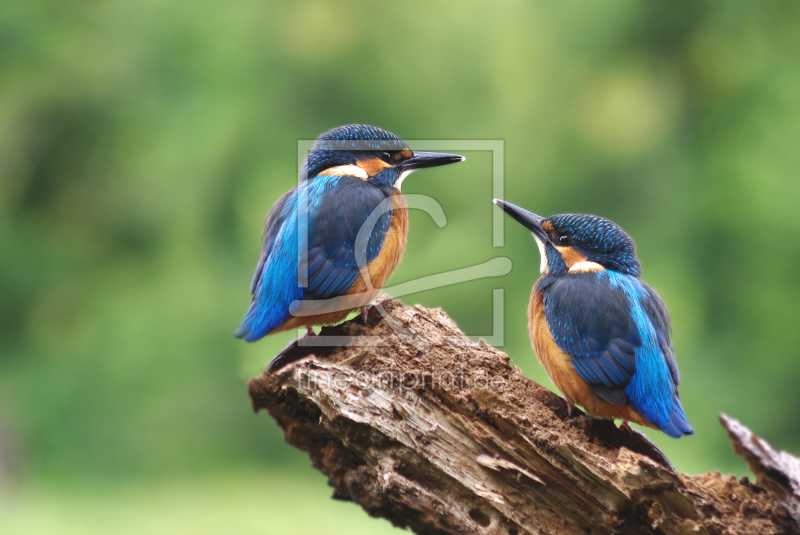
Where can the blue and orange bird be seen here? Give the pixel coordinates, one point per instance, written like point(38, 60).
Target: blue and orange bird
point(601, 333)
point(332, 241)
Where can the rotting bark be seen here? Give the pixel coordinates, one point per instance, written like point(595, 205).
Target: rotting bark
point(443, 435)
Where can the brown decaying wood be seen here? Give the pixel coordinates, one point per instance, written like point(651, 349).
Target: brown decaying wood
point(443, 435)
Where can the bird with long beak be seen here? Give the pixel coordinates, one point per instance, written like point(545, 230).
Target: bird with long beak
point(600, 332)
point(332, 241)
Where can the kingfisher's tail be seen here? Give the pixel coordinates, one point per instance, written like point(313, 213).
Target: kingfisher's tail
point(677, 425)
point(260, 320)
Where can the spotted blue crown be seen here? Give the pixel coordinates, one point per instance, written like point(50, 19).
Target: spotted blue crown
point(344, 144)
point(603, 240)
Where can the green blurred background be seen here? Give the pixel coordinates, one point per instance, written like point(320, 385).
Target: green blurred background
point(142, 144)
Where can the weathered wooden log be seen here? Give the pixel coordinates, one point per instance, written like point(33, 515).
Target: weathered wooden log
point(418, 424)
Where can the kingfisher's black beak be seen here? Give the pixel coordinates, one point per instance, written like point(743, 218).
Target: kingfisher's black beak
point(527, 219)
point(420, 160)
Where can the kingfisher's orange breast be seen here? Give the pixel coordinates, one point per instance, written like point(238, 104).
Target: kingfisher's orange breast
point(377, 272)
point(558, 365)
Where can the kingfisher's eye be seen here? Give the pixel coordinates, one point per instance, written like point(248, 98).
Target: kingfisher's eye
point(564, 241)
point(386, 156)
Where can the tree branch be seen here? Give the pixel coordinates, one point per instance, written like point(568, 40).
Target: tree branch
point(441, 434)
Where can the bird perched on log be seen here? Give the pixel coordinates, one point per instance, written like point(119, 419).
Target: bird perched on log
point(601, 333)
point(332, 241)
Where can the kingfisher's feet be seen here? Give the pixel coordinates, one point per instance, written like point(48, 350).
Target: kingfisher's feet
point(310, 331)
point(365, 313)
point(625, 426)
point(570, 408)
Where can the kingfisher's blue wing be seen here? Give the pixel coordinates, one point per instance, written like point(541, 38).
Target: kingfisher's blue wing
point(323, 217)
point(347, 228)
point(617, 330)
point(591, 320)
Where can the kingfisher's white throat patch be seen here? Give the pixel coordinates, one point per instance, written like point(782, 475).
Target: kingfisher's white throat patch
point(399, 182)
point(542, 253)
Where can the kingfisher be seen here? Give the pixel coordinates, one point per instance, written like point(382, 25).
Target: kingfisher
point(600, 332)
point(332, 241)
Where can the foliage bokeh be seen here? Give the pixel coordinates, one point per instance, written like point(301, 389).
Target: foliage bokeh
point(142, 143)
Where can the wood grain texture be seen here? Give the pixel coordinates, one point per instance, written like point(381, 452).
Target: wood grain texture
point(777, 471)
point(444, 435)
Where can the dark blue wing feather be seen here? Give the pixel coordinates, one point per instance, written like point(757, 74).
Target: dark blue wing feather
point(591, 321)
point(347, 228)
point(617, 331)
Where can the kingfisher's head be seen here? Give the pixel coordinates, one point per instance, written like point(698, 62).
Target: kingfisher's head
point(577, 242)
point(368, 153)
